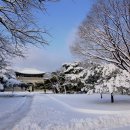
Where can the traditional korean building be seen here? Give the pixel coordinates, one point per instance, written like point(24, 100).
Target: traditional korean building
point(30, 76)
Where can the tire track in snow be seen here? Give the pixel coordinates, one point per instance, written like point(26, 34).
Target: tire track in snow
point(10, 119)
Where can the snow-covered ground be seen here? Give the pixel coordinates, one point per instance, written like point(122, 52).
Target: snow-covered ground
point(13, 108)
point(38, 111)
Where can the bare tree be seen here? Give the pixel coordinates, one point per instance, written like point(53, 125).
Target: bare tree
point(105, 33)
point(18, 27)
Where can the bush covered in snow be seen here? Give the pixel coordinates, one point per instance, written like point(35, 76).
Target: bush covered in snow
point(74, 77)
point(8, 80)
point(114, 80)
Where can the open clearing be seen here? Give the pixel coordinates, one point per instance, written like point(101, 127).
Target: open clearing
point(38, 111)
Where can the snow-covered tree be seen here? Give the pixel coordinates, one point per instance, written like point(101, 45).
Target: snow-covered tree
point(18, 27)
point(8, 80)
point(105, 78)
point(93, 78)
point(113, 80)
point(105, 33)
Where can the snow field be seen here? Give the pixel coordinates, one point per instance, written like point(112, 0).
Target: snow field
point(10, 104)
point(13, 108)
point(94, 102)
point(65, 112)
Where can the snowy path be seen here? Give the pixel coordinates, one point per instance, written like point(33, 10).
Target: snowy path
point(56, 112)
point(46, 113)
point(13, 109)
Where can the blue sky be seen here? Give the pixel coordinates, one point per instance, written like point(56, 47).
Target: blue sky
point(61, 20)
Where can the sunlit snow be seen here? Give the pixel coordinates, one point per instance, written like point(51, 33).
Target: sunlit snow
point(64, 112)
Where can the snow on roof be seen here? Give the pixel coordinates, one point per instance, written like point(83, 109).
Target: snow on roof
point(30, 71)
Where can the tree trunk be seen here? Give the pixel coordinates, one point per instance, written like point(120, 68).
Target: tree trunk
point(32, 88)
point(12, 89)
point(65, 89)
point(101, 95)
point(112, 98)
